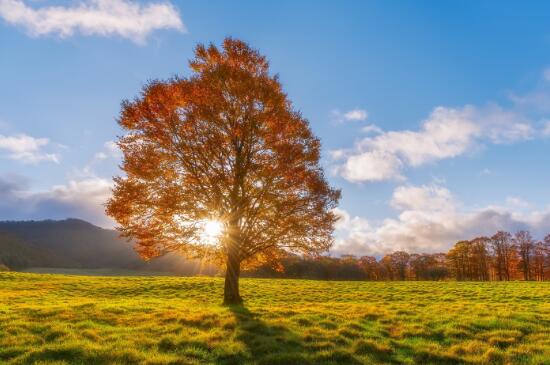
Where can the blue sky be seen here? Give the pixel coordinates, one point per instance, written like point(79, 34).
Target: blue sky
point(433, 115)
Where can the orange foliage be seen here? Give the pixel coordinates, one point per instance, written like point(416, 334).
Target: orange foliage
point(223, 144)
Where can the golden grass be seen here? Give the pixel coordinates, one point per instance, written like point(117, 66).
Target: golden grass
point(57, 319)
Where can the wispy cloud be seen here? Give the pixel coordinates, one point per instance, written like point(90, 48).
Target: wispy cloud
point(106, 18)
point(27, 149)
point(354, 115)
point(446, 133)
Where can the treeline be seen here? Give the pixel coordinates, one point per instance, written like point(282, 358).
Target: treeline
point(501, 257)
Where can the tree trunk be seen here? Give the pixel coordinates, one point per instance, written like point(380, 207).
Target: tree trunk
point(231, 289)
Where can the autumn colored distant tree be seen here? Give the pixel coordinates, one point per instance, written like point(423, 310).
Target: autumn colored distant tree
point(426, 266)
point(525, 246)
point(387, 269)
point(400, 264)
point(370, 267)
point(538, 260)
point(481, 260)
point(469, 260)
point(541, 259)
point(223, 145)
point(459, 260)
point(504, 254)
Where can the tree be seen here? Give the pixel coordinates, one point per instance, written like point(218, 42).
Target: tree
point(525, 246)
point(386, 264)
point(480, 258)
point(370, 267)
point(504, 254)
point(223, 145)
point(400, 264)
point(458, 259)
point(541, 259)
point(426, 266)
point(469, 260)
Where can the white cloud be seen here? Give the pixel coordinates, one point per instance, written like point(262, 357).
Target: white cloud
point(91, 191)
point(446, 133)
point(430, 219)
point(546, 128)
point(426, 197)
point(546, 74)
point(356, 232)
point(121, 18)
point(354, 115)
point(373, 165)
point(371, 128)
point(517, 203)
point(27, 149)
point(503, 126)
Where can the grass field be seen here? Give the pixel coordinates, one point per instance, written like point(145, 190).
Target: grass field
point(57, 319)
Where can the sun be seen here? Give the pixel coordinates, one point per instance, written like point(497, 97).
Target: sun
point(211, 231)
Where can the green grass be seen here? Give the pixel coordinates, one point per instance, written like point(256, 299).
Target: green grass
point(56, 319)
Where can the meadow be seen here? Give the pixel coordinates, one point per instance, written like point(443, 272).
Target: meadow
point(61, 319)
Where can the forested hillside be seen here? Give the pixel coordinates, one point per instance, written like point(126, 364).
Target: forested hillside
point(74, 243)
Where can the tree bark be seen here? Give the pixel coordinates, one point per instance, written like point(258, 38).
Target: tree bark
point(231, 293)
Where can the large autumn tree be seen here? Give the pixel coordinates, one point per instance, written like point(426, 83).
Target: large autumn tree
point(223, 145)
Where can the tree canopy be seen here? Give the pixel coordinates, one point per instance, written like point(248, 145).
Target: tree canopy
point(223, 145)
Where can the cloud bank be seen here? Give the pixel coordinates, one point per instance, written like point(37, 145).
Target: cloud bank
point(82, 199)
point(105, 18)
point(431, 219)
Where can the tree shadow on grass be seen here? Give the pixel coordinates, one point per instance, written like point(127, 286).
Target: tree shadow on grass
point(265, 344)
point(276, 345)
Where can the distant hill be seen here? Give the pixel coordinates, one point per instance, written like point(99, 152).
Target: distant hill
point(77, 244)
point(15, 253)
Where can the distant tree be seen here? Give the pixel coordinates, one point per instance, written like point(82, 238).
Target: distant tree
point(541, 259)
point(525, 246)
point(479, 255)
point(469, 260)
point(504, 254)
point(458, 258)
point(417, 265)
point(371, 267)
point(387, 268)
point(428, 266)
point(350, 269)
point(400, 264)
point(223, 145)
point(439, 269)
point(538, 261)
